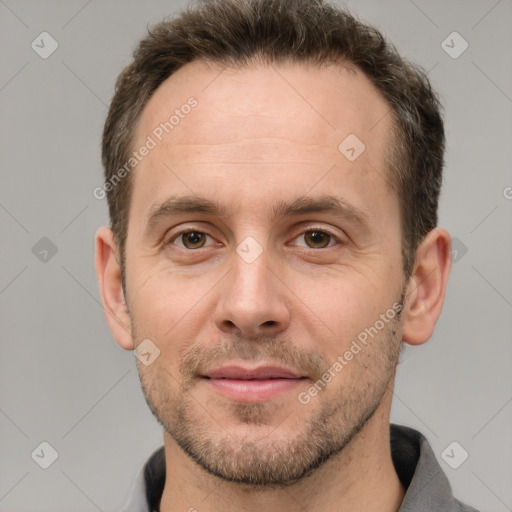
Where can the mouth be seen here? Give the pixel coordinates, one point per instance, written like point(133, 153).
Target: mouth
point(253, 385)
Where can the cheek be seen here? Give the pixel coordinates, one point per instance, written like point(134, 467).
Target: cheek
point(167, 306)
point(152, 306)
point(337, 309)
point(342, 298)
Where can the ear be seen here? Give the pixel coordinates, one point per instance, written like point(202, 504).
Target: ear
point(427, 287)
point(108, 272)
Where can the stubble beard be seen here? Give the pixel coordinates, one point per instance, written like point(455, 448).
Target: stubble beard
point(271, 461)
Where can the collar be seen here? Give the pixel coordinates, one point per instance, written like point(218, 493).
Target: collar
point(427, 487)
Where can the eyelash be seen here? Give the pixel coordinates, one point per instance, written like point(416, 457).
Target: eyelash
point(175, 236)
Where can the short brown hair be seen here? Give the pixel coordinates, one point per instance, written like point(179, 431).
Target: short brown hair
point(237, 33)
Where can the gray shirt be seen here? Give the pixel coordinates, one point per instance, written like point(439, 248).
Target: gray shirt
point(427, 488)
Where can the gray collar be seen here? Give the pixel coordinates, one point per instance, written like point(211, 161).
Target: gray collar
point(428, 489)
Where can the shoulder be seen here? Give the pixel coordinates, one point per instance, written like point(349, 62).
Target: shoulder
point(427, 486)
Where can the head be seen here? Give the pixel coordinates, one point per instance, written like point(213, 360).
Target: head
point(283, 212)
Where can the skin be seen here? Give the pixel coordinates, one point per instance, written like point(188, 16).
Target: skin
point(259, 136)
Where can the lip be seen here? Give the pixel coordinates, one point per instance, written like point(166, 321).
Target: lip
point(253, 385)
point(260, 373)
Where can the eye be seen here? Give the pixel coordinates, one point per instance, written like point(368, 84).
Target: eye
point(190, 239)
point(317, 239)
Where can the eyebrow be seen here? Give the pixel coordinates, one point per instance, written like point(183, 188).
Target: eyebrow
point(176, 205)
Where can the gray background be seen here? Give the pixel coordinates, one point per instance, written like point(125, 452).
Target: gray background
point(65, 381)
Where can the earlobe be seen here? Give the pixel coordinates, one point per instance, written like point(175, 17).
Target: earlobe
point(427, 287)
point(108, 272)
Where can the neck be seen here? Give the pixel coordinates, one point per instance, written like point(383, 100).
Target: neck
point(361, 477)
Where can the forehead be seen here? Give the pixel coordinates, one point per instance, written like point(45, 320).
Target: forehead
point(303, 102)
point(261, 128)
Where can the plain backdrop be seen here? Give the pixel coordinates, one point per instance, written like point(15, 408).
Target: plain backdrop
point(63, 379)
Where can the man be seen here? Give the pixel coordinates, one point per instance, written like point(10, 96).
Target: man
point(273, 170)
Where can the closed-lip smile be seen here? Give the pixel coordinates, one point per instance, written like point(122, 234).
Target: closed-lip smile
point(252, 384)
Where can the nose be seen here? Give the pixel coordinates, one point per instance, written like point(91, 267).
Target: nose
point(252, 300)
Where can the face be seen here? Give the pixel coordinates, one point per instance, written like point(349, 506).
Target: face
point(263, 260)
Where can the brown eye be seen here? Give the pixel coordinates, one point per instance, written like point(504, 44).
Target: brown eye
point(192, 239)
point(317, 239)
